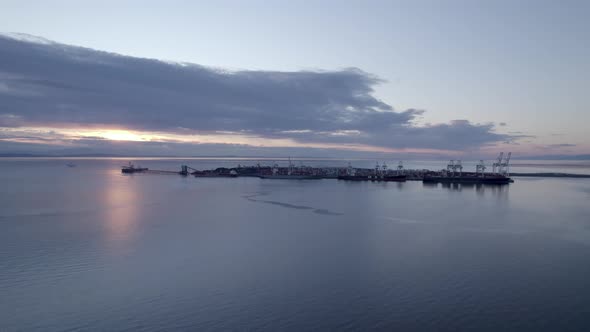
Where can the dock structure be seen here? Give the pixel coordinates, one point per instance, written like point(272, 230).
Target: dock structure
point(132, 169)
point(452, 174)
point(155, 171)
point(379, 173)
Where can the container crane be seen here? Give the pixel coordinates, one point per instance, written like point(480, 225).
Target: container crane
point(350, 171)
point(451, 167)
point(505, 166)
point(480, 168)
point(498, 164)
point(459, 167)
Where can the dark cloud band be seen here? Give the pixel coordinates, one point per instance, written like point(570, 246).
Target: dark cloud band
point(49, 83)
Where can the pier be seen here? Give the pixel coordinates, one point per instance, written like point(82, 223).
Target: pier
point(453, 173)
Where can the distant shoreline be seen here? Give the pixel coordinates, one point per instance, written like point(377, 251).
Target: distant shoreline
point(267, 158)
point(66, 153)
point(577, 158)
point(550, 175)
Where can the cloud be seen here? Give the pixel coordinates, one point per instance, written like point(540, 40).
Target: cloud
point(10, 120)
point(562, 145)
point(48, 84)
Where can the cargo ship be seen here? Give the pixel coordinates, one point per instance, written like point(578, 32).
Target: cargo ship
point(380, 174)
point(353, 177)
point(217, 173)
point(468, 178)
point(132, 169)
point(386, 178)
point(290, 176)
point(290, 173)
point(454, 173)
point(392, 178)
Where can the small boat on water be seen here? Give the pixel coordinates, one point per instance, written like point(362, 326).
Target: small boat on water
point(132, 169)
point(71, 165)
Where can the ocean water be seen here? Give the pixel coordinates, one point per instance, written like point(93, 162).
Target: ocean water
point(88, 248)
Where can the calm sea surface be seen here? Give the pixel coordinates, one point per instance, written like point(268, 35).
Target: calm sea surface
point(87, 248)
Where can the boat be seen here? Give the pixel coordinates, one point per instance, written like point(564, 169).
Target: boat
point(470, 179)
point(353, 177)
point(393, 178)
point(132, 169)
point(290, 173)
point(215, 174)
point(381, 174)
point(454, 173)
point(290, 176)
point(385, 178)
point(71, 165)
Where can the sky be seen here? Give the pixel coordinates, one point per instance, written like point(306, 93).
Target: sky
point(321, 78)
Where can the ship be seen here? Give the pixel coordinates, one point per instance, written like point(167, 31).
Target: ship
point(385, 178)
point(290, 173)
point(217, 173)
point(380, 174)
point(290, 176)
point(132, 169)
point(468, 179)
point(353, 177)
point(392, 178)
point(454, 173)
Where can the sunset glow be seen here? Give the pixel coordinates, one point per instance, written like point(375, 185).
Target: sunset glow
point(121, 135)
point(83, 136)
point(115, 135)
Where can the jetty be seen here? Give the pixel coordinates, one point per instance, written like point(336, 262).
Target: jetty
point(454, 174)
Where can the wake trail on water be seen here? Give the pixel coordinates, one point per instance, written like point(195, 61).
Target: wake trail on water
point(327, 212)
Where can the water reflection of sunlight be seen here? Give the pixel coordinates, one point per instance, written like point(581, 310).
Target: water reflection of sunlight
point(120, 201)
